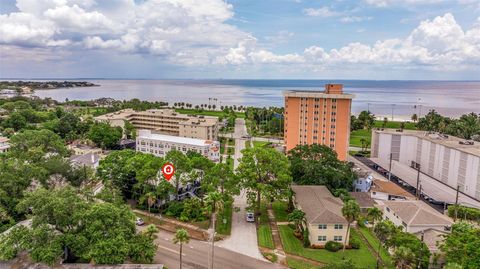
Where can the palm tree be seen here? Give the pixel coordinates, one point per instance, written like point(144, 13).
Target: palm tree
point(151, 199)
point(385, 121)
point(215, 201)
point(363, 141)
point(404, 258)
point(374, 214)
point(181, 237)
point(298, 218)
point(350, 211)
point(414, 117)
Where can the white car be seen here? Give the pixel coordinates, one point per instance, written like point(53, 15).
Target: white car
point(139, 222)
point(250, 217)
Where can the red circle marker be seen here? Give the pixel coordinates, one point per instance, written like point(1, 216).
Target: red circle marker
point(168, 170)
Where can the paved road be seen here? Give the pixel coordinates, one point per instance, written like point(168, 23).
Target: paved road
point(196, 253)
point(243, 238)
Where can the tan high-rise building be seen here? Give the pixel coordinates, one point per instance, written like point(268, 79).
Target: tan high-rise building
point(315, 117)
point(166, 121)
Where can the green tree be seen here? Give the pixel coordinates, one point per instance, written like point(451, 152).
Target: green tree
point(374, 214)
point(462, 246)
point(221, 177)
point(104, 135)
point(15, 121)
point(129, 130)
point(264, 172)
point(367, 119)
point(404, 258)
point(298, 218)
point(181, 237)
point(318, 165)
point(34, 145)
point(182, 165)
point(351, 211)
point(115, 168)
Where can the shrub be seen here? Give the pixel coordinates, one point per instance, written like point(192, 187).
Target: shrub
point(270, 256)
point(333, 246)
point(317, 246)
point(354, 243)
point(174, 209)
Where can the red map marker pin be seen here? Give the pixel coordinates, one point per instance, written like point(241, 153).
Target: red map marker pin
point(168, 170)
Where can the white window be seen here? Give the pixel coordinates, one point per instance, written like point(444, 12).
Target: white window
point(322, 226)
point(322, 238)
point(338, 226)
point(337, 238)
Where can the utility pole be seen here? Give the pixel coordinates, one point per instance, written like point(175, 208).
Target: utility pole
point(418, 180)
point(421, 252)
point(390, 168)
point(456, 204)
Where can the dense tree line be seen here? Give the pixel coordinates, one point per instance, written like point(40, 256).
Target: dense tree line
point(467, 126)
point(265, 120)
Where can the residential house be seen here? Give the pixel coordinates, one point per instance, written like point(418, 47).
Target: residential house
point(323, 213)
point(414, 216)
point(4, 145)
point(364, 200)
point(363, 183)
point(91, 160)
point(387, 190)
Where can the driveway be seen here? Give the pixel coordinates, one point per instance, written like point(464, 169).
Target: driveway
point(243, 238)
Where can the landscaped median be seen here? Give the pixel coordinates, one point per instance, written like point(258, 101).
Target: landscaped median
point(292, 245)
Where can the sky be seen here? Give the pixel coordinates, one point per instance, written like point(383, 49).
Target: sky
point(241, 39)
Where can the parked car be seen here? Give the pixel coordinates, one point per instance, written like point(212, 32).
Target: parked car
point(250, 217)
point(139, 222)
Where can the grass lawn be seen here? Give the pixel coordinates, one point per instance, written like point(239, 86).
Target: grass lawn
point(257, 144)
point(230, 150)
point(264, 234)
point(206, 112)
point(362, 257)
point(231, 142)
point(374, 242)
point(357, 135)
point(280, 210)
point(299, 264)
point(248, 144)
point(224, 228)
point(395, 125)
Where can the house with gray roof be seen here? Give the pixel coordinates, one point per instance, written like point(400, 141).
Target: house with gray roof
point(323, 212)
point(415, 216)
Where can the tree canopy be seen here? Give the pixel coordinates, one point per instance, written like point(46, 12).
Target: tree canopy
point(318, 165)
point(65, 220)
point(264, 172)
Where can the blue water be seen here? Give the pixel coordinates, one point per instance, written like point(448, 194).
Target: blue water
point(403, 98)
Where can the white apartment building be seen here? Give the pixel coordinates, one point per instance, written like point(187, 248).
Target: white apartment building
point(4, 145)
point(445, 163)
point(160, 145)
point(166, 121)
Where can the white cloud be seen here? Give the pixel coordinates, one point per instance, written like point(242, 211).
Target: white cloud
point(348, 19)
point(197, 33)
point(322, 12)
point(384, 3)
